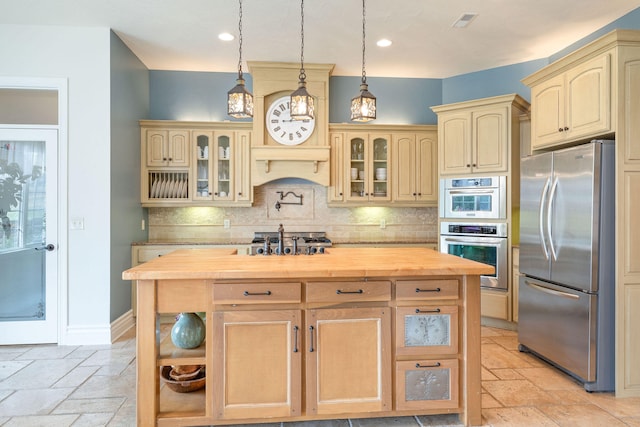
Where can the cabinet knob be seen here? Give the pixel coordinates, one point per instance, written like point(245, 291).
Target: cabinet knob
point(468, 165)
point(240, 194)
point(215, 194)
point(341, 193)
point(560, 129)
point(164, 159)
point(566, 128)
point(419, 194)
point(415, 194)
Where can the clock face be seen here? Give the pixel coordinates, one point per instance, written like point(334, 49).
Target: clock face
point(282, 128)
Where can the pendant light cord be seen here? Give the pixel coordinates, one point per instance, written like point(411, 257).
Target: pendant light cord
point(364, 74)
point(240, 40)
point(303, 75)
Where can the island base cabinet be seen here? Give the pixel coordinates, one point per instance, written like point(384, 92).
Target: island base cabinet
point(427, 384)
point(257, 364)
point(348, 360)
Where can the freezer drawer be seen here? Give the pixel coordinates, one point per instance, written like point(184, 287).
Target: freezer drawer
point(559, 324)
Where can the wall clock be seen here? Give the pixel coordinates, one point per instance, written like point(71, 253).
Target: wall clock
point(282, 128)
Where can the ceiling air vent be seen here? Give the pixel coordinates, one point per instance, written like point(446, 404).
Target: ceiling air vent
point(464, 20)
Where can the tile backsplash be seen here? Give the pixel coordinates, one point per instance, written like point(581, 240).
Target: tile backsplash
point(303, 207)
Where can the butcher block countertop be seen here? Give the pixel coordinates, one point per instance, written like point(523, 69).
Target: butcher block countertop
point(336, 262)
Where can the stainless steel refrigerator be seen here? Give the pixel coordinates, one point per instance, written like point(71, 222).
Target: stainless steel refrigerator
point(567, 254)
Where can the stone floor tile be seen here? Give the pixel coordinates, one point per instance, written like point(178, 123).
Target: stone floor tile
point(81, 406)
point(444, 420)
point(42, 421)
point(10, 367)
point(40, 374)
point(486, 375)
point(488, 401)
point(47, 352)
point(386, 422)
point(76, 377)
point(508, 342)
point(93, 420)
point(631, 422)
point(510, 417)
point(507, 374)
point(33, 402)
point(550, 379)
point(495, 356)
point(328, 423)
point(102, 386)
point(619, 407)
point(580, 415)
point(517, 393)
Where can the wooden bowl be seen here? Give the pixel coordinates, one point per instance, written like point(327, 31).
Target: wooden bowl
point(178, 376)
point(185, 386)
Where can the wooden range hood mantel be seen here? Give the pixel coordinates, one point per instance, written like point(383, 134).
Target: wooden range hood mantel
point(270, 160)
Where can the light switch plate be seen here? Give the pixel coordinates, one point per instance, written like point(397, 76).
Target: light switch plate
point(76, 224)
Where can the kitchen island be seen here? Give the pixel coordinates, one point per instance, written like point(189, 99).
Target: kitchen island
point(352, 333)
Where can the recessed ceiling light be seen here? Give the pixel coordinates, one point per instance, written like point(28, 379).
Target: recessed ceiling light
point(464, 20)
point(226, 37)
point(384, 42)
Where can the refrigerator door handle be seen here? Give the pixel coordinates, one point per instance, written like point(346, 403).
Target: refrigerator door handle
point(552, 196)
point(551, 291)
point(543, 198)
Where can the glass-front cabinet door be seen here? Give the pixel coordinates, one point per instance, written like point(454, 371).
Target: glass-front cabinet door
point(223, 167)
point(368, 171)
point(202, 163)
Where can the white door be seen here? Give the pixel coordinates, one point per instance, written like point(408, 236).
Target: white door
point(28, 236)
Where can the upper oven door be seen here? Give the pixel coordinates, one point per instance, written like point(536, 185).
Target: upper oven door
point(473, 201)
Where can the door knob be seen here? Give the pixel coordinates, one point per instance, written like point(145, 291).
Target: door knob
point(49, 248)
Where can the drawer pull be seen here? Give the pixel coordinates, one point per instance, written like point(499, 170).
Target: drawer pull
point(437, 310)
point(418, 290)
point(311, 339)
point(250, 294)
point(436, 365)
point(340, 292)
point(295, 339)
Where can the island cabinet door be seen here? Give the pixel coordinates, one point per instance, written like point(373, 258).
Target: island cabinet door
point(348, 360)
point(427, 384)
point(257, 364)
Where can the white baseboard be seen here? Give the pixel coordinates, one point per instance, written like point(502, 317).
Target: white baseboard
point(122, 325)
point(98, 334)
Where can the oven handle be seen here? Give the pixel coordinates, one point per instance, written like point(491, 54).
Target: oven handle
point(472, 191)
point(490, 240)
point(551, 291)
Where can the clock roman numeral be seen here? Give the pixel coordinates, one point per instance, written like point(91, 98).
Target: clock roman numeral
point(277, 113)
point(290, 137)
point(282, 107)
point(277, 129)
point(283, 134)
point(302, 128)
point(275, 121)
point(298, 134)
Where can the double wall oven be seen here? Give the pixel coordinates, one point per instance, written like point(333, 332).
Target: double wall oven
point(473, 224)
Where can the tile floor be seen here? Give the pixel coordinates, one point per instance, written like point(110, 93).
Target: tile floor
point(93, 386)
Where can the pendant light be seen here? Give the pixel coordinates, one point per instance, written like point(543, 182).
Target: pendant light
point(301, 107)
point(363, 106)
point(239, 100)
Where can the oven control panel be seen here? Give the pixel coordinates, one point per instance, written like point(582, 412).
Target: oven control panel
point(471, 229)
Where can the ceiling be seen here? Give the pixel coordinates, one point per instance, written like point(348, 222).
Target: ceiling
point(183, 34)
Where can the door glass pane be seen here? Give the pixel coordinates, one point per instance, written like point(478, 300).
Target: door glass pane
point(22, 214)
point(471, 203)
point(427, 330)
point(430, 384)
point(483, 254)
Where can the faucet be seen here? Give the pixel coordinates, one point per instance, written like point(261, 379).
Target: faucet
point(280, 240)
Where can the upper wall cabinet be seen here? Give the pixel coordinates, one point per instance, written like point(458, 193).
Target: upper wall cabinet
point(195, 163)
point(383, 165)
point(476, 137)
point(573, 105)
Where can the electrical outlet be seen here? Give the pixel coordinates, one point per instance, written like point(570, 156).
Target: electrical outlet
point(227, 223)
point(383, 223)
point(76, 224)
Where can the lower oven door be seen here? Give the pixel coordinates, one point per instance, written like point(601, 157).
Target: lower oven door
point(487, 250)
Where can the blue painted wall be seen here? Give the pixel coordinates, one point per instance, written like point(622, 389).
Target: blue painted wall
point(178, 95)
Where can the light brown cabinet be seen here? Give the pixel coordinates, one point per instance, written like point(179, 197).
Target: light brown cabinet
point(383, 165)
point(195, 164)
point(415, 166)
point(476, 137)
point(166, 148)
point(572, 105)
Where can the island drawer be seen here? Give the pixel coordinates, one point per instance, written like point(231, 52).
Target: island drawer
point(257, 293)
point(427, 330)
point(347, 291)
point(427, 384)
point(427, 289)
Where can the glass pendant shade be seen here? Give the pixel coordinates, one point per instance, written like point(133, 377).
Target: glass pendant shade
point(363, 106)
point(302, 107)
point(239, 101)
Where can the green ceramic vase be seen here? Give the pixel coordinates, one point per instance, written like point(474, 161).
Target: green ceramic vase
point(188, 331)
